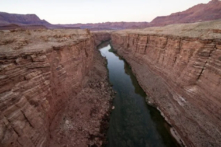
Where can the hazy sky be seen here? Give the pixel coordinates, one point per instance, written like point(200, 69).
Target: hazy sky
point(85, 11)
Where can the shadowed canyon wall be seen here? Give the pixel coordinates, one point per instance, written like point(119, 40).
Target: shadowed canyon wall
point(40, 71)
point(179, 66)
point(101, 36)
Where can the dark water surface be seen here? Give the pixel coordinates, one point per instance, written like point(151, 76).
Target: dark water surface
point(133, 123)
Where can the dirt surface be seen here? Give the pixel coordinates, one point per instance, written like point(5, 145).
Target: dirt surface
point(23, 42)
point(85, 120)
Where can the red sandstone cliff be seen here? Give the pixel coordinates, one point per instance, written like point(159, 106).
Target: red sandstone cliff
point(179, 66)
point(42, 74)
point(200, 12)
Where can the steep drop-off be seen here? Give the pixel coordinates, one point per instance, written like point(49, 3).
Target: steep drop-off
point(179, 66)
point(42, 76)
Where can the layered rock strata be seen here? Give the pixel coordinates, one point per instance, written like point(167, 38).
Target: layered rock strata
point(41, 74)
point(179, 66)
point(86, 118)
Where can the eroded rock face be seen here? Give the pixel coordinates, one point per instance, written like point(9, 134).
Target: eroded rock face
point(85, 119)
point(180, 69)
point(40, 72)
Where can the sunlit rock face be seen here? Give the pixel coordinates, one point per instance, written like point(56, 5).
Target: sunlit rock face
point(179, 66)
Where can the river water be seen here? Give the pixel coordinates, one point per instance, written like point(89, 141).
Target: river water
point(133, 123)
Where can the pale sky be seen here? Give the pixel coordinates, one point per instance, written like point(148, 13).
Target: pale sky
point(93, 11)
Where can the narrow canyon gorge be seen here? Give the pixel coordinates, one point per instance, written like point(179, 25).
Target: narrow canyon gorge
point(55, 89)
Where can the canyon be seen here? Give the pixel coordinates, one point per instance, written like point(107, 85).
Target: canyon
point(53, 85)
point(179, 66)
point(55, 89)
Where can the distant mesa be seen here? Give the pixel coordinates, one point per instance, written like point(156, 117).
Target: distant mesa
point(21, 19)
point(197, 13)
point(110, 25)
point(24, 21)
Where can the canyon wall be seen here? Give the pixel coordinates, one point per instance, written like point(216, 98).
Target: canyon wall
point(179, 67)
point(101, 36)
point(40, 73)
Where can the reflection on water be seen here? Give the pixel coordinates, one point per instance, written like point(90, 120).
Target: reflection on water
point(133, 123)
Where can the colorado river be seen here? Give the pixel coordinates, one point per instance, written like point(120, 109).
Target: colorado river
point(133, 123)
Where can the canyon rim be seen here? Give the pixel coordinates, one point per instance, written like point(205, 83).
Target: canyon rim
point(56, 91)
